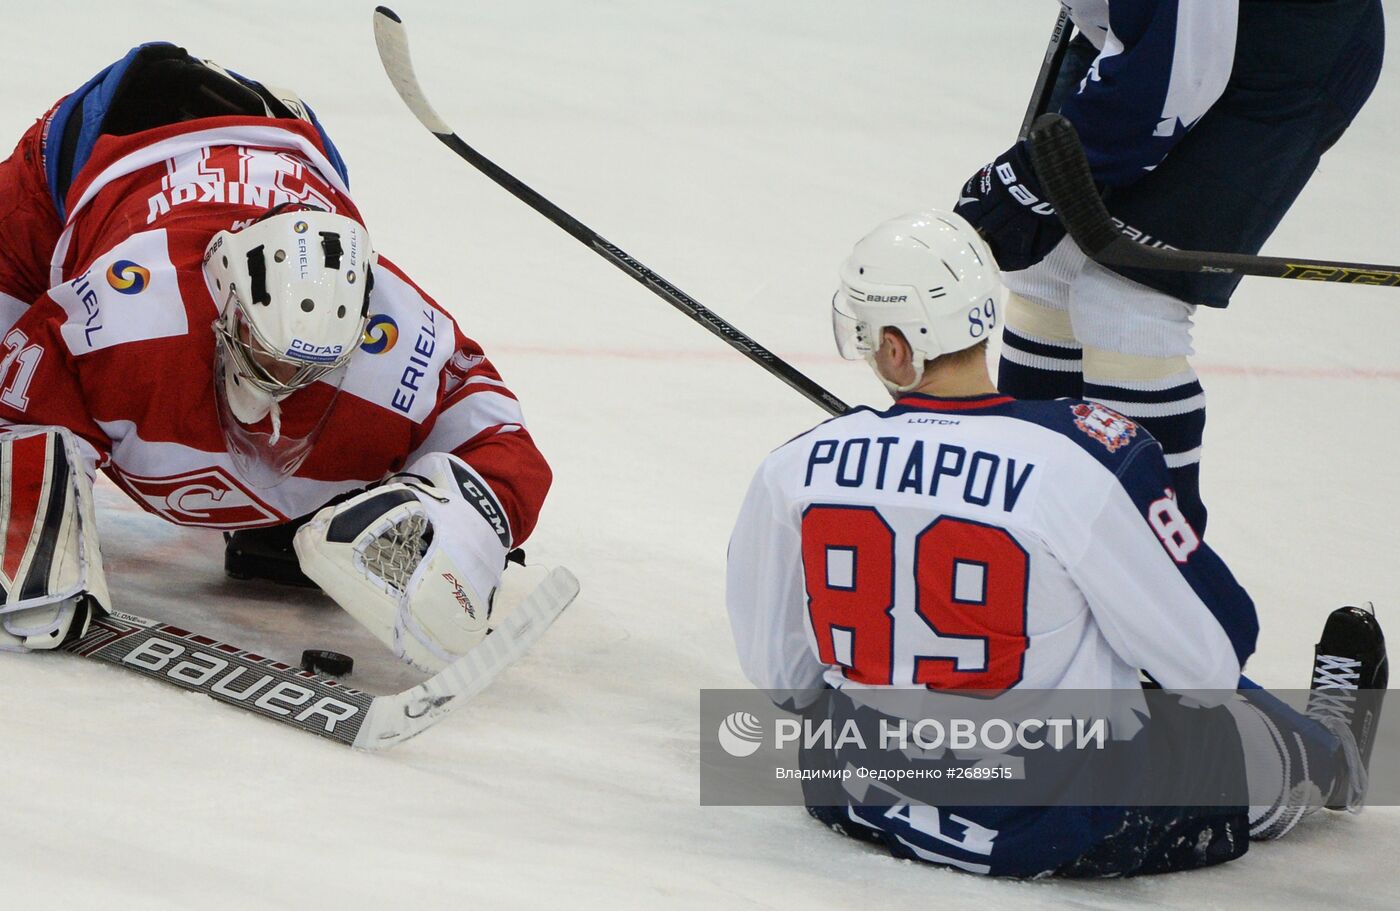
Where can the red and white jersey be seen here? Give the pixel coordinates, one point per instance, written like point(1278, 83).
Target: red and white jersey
point(978, 544)
point(121, 351)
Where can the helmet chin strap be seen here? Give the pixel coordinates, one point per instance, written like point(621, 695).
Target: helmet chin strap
point(894, 389)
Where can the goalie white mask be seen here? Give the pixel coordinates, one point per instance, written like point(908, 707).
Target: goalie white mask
point(927, 274)
point(293, 292)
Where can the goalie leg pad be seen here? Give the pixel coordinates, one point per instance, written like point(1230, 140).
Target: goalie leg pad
point(51, 573)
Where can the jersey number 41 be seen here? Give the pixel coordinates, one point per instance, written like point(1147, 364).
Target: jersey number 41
point(970, 583)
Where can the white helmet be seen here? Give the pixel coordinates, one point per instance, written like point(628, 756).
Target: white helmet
point(927, 274)
point(293, 294)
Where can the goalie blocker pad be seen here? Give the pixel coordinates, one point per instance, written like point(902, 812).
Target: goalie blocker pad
point(49, 553)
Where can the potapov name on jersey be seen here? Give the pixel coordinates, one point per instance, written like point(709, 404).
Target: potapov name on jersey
point(892, 463)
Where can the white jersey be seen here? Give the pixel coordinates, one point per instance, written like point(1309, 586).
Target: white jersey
point(981, 543)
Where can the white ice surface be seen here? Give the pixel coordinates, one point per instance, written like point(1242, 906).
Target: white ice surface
point(739, 149)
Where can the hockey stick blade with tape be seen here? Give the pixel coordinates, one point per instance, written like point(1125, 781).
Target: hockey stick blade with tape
point(1063, 169)
point(392, 40)
point(312, 702)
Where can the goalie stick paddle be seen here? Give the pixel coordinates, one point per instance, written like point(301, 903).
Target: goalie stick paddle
point(391, 38)
point(1063, 169)
point(312, 702)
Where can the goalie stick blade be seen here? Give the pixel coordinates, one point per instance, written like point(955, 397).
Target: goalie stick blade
point(1063, 169)
point(392, 41)
point(391, 38)
point(394, 719)
point(312, 702)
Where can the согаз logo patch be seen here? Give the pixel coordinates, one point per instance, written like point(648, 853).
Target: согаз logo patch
point(381, 332)
point(741, 734)
point(128, 277)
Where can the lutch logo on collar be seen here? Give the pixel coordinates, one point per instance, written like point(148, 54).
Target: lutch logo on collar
point(381, 332)
point(128, 277)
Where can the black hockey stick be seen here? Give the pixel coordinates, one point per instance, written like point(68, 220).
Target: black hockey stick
point(392, 41)
point(1064, 170)
point(312, 702)
point(1049, 70)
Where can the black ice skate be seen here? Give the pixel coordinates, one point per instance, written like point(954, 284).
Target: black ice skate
point(1350, 673)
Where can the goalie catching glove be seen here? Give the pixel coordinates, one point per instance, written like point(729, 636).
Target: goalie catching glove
point(51, 576)
point(416, 560)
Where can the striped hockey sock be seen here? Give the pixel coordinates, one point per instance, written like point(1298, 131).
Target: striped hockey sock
point(1172, 406)
point(1036, 368)
point(1040, 358)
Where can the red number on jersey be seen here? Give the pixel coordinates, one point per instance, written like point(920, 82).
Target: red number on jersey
point(971, 582)
point(848, 558)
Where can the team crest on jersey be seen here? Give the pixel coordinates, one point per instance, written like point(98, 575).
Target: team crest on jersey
point(209, 497)
point(458, 368)
point(1105, 425)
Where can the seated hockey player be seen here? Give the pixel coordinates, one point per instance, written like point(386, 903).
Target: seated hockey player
point(191, 303)
point(964, 540)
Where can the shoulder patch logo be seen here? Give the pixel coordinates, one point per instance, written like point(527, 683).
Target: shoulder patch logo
point(1104, 424)
point(128, 277)
point(381, 332)
point(130, 293)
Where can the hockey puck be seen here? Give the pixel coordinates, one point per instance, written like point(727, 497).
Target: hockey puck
point(323, 661)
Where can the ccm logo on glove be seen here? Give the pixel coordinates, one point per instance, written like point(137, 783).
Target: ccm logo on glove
point(481, 499)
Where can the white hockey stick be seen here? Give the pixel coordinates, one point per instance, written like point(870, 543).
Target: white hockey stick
point(310, 701)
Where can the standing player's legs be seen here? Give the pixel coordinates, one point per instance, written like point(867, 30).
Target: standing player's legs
point(1136, 342)
point(1040, 356)
point(1302, 71)
point(29, 225)
point(1075, 329)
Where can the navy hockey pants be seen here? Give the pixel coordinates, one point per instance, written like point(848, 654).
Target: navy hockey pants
point(1302, 71)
